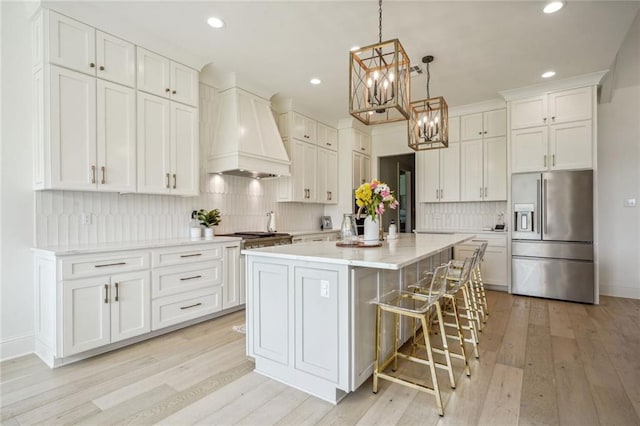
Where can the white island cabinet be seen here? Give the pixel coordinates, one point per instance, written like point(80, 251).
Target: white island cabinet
point(310, 323)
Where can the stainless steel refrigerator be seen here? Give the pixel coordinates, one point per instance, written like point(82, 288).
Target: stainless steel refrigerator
point(552, 237)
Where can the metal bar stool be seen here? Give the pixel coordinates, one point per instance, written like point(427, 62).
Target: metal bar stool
point(450, 309)
point(417, 306)
point(460, 284)
point(479, 284)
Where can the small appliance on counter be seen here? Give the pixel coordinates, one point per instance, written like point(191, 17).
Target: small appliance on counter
point(271, 222)
point(325, 223)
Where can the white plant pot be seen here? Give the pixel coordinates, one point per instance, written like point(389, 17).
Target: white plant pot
point(196, 232)
point(371, 230)
point(208, 233)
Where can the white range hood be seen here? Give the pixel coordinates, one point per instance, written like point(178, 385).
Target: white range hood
point(246, 141)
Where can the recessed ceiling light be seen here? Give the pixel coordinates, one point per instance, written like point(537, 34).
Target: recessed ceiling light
point(354, 48)
point(215, 22)
point(548, 74)
point(553, 6)
point(315, 81)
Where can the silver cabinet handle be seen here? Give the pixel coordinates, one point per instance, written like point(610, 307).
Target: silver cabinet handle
point(93, 174)
point(101, 67)
point(106, 293)
point(544, 202)
point(104, 175)
point(544, 119)
point(545, 161)
point(441, 194)
point(191, 306)
point(191, 255)
point(191, 278)
point(175, 181)
point(480, 241)
point(485, 191)
point(110, 264)
point(480, 192)
point(539, 209)
point(173, 92)
point(167, 90)
point(168, 184)
point(437, 194)
point(553, 160)
point(92, 65)
point(479, 133)
point(553, 119)
point(117, 293)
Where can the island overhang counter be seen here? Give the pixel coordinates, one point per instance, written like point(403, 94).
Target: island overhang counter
point(310, 321)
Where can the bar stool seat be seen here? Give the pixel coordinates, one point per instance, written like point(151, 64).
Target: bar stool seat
point(417, 306)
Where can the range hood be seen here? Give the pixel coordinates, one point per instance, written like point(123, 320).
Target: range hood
point(246, 141)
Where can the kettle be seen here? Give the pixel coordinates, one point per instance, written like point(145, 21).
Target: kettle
point(271, 222)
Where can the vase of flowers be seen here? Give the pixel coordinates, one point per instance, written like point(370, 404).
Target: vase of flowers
point(373, 198)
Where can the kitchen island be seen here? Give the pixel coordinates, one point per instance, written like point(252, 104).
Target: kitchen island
point(310, 323)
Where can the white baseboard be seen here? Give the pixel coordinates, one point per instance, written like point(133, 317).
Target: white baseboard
point(620, 291)
point(14, 347)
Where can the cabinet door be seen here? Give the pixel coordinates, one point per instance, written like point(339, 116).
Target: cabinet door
point(300, 127)
point(316, 296)
point(85, 314)
point(529, 150)
point(365, 144)
point(154, 73)
point(529, 112)
point(364, 288)
point(154, 144)
point(116, 120)
point(310, 130)
point(450, 173)
point(471, 126)
point(73, 130)
point(454, 129)
point(494, 266)
point(296, 185)
point(115, 59)
point(332, 176)
point(327, 137)
point(322, 177)
point(130, 296)
point(428, 176)
point(184, 150)
point(72, 44)
point(231, 284)
point(494, 123)
point(309, 173)
point(570, 146)
point(356, 160)
point(495, 169)
point(365, 168)
point(184, 84)
point(571, 105)
point(471, 184)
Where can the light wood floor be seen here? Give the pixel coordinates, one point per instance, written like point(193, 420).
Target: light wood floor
point(541, 363)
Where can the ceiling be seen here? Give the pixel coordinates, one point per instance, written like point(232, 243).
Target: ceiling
point(480, 47)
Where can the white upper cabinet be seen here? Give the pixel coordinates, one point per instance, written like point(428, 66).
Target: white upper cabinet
point(327, 137)
point(167, 147)
point(72, 111)
point(471, 126)
point(361, 142)
point(72, 44)
point(161, 76)
point(553, 131)
point(115, 59)
point(294, 125)
point(327, 174)
point(494, 170)
point(484, 124)
point(439, 174)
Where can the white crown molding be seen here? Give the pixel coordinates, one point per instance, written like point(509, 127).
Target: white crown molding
point(591, 79)
point(477, 107)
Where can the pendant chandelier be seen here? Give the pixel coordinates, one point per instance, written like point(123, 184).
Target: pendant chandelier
point(379, 81)
point(429, 120)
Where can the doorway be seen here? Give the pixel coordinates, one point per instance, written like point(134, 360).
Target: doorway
point(398, 171)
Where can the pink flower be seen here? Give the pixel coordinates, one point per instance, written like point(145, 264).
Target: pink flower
point(374, 184)
point(385, 194)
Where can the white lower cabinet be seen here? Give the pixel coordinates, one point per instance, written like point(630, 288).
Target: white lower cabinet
point(494, 266)
point(87, 303)
point(102, 310)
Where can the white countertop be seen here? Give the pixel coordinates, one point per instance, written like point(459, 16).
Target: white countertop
point(317, 231)
point(459, 231)
point(394, 254)
point(129, 245)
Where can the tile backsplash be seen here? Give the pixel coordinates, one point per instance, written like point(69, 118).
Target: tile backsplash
point(461, 216)
point(243, 203)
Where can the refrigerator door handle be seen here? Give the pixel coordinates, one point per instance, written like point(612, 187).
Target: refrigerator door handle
point(539, 209)
point(544, 206)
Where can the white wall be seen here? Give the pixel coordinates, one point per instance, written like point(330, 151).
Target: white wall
point(619, 174)
point(16, 285)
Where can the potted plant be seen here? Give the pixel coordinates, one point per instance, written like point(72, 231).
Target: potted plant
point(208, 219)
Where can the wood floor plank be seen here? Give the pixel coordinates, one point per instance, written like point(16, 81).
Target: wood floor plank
point(512, 349)
point(539, 314)
point(351, 409)
point(539, 401)
point(464, 405)
point(309, 412)
point(559, 320)
point(275, 409)
point(72, 416)
point(575, 402)
point(611, 400)
point(215, 401)
point(390, 405)
point(502, 403)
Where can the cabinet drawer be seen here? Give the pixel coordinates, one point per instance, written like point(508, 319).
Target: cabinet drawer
point(88, 266)
point(178, 279)
point(185, 255)
point(172, 310)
